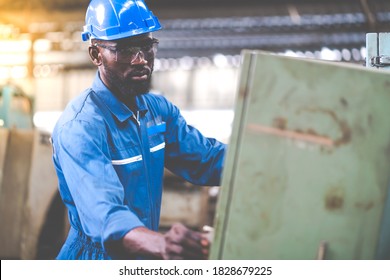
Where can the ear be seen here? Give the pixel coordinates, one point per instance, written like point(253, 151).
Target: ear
point(95, 56)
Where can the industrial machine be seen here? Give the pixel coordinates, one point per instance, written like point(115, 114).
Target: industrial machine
point(31, 223)
point(16, 108)
point(28, 192)
point(308, 167)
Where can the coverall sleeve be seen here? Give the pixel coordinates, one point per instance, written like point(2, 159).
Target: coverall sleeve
point(83, 154)
point(189, 154)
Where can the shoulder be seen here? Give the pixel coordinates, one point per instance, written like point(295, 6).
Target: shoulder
point(81, 111)
point(160, 104)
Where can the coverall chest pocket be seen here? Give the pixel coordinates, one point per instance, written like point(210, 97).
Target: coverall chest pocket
point(156, 135)
point(128, 164)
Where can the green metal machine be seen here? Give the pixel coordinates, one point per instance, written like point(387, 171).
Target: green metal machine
point(15, 108)
point(308, 166)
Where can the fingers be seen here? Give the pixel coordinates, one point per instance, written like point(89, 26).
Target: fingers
point(183, 243)
point(205, 246)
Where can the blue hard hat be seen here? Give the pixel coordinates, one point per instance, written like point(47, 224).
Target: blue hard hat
point(117, 19)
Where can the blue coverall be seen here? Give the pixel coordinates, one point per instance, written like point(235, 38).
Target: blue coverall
point(110, 164)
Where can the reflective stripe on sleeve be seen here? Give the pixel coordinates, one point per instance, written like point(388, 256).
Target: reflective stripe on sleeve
point(127, 160)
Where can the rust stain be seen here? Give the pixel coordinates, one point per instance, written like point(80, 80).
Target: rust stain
point(280, 123)
point(334, 199)
point(334, 202)
point(297, 135)
point(346, 133)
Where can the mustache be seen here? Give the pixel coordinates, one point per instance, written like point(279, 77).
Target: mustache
point(141, 70)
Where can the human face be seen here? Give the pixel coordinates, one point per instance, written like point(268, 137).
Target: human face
point(127, 64)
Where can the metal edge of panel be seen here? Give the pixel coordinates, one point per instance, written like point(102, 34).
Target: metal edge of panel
point(383, 247)
point(223, 205)
point(378, 44)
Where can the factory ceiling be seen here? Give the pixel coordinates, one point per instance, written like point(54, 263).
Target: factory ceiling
point(206, 27)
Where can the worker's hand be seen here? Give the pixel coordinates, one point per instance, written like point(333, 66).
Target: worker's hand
point(184, 243)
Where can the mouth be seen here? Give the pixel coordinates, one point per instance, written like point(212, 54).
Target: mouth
point(140, 78)
point(140, 75)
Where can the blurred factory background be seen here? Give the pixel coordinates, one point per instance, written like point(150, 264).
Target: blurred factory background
point(44, 64)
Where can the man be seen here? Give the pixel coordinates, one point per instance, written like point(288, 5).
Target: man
point(112, 142)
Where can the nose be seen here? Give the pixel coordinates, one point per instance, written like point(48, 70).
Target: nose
point(139, 58)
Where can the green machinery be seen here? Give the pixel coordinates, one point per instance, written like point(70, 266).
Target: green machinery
point(308, 167)
point(15, 108)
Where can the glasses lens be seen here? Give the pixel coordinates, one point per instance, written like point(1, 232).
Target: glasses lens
point(129, 53)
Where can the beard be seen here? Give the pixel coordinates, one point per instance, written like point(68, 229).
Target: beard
point(124, 86)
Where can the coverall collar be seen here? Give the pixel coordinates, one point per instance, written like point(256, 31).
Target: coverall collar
point(117, 108)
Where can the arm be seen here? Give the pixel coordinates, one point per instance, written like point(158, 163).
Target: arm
point(190, 154)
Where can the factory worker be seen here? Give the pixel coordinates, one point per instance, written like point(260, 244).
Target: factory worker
point(112, 142)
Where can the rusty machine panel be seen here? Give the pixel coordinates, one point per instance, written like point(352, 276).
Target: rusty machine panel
point(308, 166)
point(28, 185)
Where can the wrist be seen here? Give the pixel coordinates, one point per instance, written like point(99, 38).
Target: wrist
point(142, 241)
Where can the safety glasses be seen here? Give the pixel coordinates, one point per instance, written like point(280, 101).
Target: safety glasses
point(145, 50)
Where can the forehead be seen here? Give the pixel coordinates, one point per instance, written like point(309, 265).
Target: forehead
point(133, 40)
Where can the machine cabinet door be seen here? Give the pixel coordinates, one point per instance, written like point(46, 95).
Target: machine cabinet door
point(307, 169)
